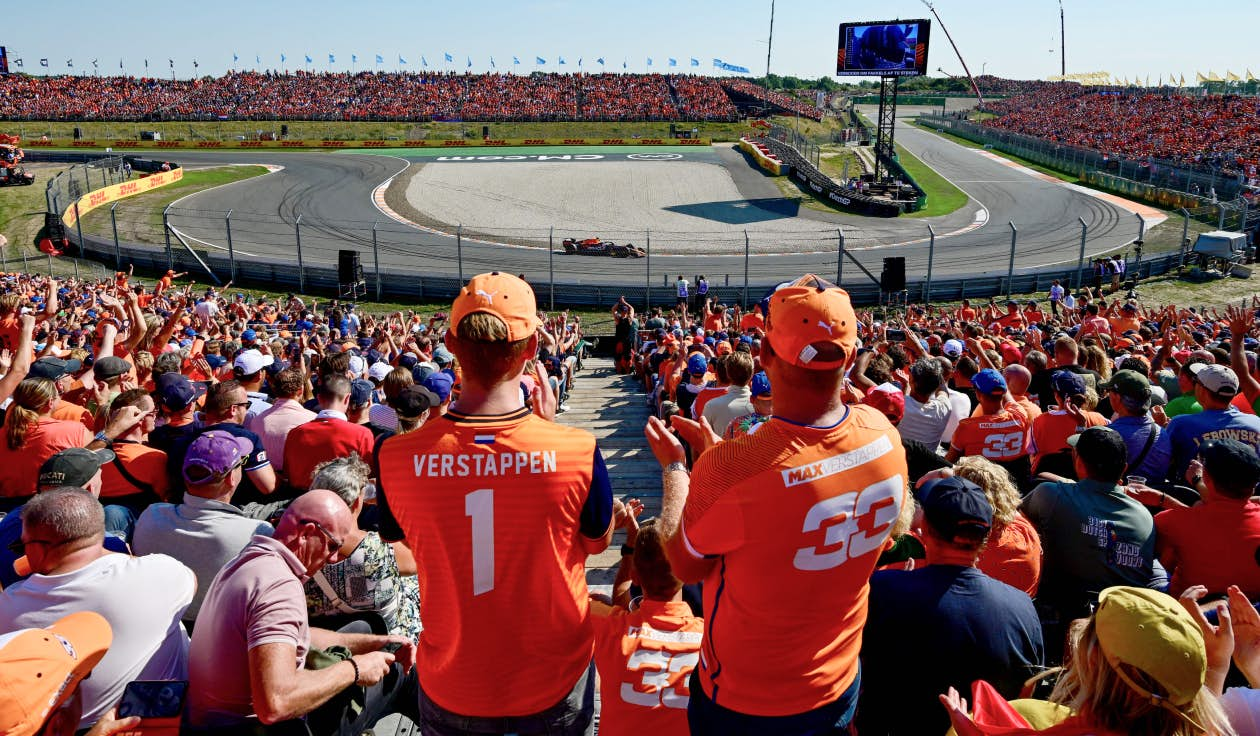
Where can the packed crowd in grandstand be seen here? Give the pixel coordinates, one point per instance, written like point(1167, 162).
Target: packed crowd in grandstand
point(1213, 132)
point(291, 517)
point(374, 96)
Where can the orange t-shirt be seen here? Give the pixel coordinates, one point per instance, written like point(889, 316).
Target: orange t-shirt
point(491, 508)
point(1051, 430)
point(644, 659)
point(702, 398)
point(966, 314)
point(10, 332)
point(70, 412)
point(19, 469)
point(751, 320)
point(796, 518)
point(146, 464)
point(1014, 557)
point(1000, 437)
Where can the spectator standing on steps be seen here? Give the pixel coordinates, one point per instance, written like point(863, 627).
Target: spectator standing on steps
point(681, 285)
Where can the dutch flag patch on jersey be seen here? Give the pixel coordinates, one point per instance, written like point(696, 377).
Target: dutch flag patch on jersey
point(483, 439)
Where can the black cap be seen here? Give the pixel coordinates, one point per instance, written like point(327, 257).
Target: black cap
point(53, 368)
point(73, 466)
point(955, 507)
point(1097, 443)
point(108, 367)
point(1232, 461)
point(411, 402)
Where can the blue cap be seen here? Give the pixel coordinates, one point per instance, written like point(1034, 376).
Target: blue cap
point(955, 506)
point(438, 386)
point(697, 365)
point(761, 385)
point(408, 360)
point(365, 342)
point(710, 341)
point(1067, 383)
point(249, 336)
point(442, 356)
point(746, 339)
point(360, 392)
point(989, 381)
point(190, 332)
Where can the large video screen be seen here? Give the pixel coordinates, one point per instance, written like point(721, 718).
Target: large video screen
point(896, 48)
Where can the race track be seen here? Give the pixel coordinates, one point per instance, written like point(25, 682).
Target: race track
point(333, 195)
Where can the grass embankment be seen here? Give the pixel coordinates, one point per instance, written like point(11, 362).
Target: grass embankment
point(22, 209)
point(353, 131)
point(140, 217)
point(942, 196)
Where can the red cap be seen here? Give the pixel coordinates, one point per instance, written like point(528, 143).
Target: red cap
point(889, 400)
point(811, 312)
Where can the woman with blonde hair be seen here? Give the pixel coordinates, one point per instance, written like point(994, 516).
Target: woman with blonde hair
point(1138, 666)
point(31, 436)
point(1095, 359)
point(1013, 554)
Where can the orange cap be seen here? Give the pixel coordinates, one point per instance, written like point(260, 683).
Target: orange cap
point(40, 668)
point(723, 348)
point(810, 312)
point(503, 295)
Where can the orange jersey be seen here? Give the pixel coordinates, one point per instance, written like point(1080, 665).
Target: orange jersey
point(793, 519)
point(644, 659)
point(998, 437)
point(1051, 430)
point(10, 332)
point(492, 507)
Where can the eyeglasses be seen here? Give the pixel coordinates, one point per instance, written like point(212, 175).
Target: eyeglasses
point(239, 404)
point(334, 544)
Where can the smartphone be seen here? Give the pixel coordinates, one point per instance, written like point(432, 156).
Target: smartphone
point(153, 699)
point(896, 336)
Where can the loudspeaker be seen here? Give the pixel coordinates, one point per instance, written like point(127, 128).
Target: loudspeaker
point(78, 133)
point(349, 269)
point(284, 130)
point(485, 131)
point(893, 277)
point(673, 130)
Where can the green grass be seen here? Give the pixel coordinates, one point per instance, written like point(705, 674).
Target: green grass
point(306, 130)
point(832, 160)
point(22, 209)
point(140, 217)
point(942, 196)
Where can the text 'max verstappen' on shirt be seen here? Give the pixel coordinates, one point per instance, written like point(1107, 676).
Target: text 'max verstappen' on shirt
point(492, 507)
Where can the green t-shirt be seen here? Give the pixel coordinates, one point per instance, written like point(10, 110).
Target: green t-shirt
point(1184, 404)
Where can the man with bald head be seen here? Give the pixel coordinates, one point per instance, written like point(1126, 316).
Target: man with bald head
point(1018, 379)
point(249, 648)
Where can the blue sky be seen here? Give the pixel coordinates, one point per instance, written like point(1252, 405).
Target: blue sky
point(1010, 38)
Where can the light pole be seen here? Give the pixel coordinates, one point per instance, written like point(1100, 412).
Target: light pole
point(983, 66)
point(770, 43)
point(1062, 43)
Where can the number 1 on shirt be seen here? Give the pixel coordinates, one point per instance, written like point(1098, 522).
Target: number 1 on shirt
point(479, 506)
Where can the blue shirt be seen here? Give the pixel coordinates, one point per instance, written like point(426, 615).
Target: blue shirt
point(1183, 435)
point(938, 627)
point(1136, 431)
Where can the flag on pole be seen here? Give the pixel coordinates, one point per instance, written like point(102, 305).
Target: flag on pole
point(649, 61)
point(194, 63)
point(600, 61)
point(171, 62)
point(449, 57)
point(332, 59)
point(561, 61)
point(403, 61)
point(492, 66)
point(539, 60)
point(623, 63)
point(235, 58)
point(308, 58)
point(695, 61)
point(44, 62)
point(282, 58)
point(70, 63)
point(146, 63)
point(1250, 77)
point(18, 62)
point(257, 59)
point(673, 62)
point(516, 61)
point(1232, 76)
point(579, 62)
point(1212, 77)
point(424, 62)
point(380, 59)
point(469, 64)
point(354, 58)
point(1182, 82)
point(120, 66)
point(95, 66)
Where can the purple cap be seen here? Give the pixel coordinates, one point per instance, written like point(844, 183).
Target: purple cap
point(213, 455)
point(176, 392)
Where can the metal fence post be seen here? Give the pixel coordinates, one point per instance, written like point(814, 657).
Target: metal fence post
point(647, 294)
point(26, 266)
point(227, 226)
point(166, 230)
point(927, 289)
point(1221, 224)
point(78, 226)
point(113, 221)
point(297, 235)
point(376, 259)
point(1141, 226)
point(1080, 260)
point(76, 269)
point(551, 267)
point(747, 246)
point(459, 251)
point(840, 258)
point(1010, 266)
point(1185, 235)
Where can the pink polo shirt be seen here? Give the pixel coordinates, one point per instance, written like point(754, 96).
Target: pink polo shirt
point(273, 426)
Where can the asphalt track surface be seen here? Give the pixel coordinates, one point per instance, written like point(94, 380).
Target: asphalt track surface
point(332, 194)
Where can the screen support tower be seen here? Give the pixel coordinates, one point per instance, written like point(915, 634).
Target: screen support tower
point(885, 152)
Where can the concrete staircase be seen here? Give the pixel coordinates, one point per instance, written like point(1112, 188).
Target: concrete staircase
point(614, 409)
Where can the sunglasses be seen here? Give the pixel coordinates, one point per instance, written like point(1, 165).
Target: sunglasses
point(18, 547)
point(334, 544)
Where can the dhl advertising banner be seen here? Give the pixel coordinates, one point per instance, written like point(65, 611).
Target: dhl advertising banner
point(115, 192)
point(307, 144)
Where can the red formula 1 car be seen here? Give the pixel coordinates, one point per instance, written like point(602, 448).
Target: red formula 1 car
point(598, 247)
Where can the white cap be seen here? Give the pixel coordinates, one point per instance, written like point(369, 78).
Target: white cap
point(953, 348)
point(251, 361)
point(357, 365)
point(1218, 379)
point(379, 370)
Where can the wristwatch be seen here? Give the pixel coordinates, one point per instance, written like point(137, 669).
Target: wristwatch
point(100, 437)
point(676, 465)
point(626, 550)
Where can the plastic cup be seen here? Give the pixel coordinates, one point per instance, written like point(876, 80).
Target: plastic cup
point(1134, 480)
